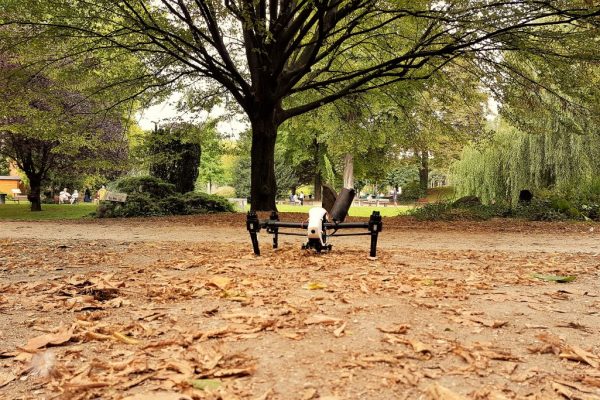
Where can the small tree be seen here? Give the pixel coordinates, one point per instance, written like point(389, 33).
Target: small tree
point(45, 127)
point(174, 157)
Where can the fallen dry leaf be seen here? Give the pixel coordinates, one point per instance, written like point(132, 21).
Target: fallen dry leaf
point(158, 396)
point(220, 282)
point(398, 328)
point(438, 392)
point(576, 353)
point(321, 319)
point(62, 336)
point(339, 331)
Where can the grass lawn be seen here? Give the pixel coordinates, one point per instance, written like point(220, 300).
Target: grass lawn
point(22, 212)
point(389, 211)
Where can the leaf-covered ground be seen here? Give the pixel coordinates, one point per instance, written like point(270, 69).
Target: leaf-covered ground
point(181, 308)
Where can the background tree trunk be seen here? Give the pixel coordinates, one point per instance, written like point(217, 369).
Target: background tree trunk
point(423, 169)
point(318, 182)
point(349, 171)
point(263, 188)
point(318, 189)
point(35, 185)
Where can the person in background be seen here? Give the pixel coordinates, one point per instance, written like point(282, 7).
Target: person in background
point(301, 198)
point(87, 196)
point(63, 196)
point(75, 197)
point(102, 193)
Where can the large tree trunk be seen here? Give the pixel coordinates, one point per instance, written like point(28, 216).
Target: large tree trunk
point(34, 196)
point(424, 169)
point(263, 188)
point(348, 171)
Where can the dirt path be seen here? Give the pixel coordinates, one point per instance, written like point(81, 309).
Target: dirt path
point(144, 309)
point(394, 237)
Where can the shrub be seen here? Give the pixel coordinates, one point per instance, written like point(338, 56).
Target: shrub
point(155, 187)
point(554, 209)
point(149, 196)
point(173, 205)
point(137, 205)
point(203, 202)
point(225, 191)
point(412, 191)
point(448, 211)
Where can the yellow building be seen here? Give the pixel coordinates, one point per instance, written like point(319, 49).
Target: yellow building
point(7, 183)
point(12, 181)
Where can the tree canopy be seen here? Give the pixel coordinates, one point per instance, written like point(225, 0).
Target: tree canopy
point(268, 54)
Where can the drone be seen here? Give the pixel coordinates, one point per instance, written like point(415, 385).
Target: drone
point(321, 221)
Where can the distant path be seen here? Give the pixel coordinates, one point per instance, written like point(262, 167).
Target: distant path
point(471, 236)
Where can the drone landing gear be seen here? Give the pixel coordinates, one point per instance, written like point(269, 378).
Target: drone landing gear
point(317, 242)
point(316, 245)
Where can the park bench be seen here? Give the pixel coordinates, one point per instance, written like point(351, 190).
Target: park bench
point(17, 196)
point(374, 202)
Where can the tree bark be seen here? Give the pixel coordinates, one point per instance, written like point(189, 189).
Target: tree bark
point(34, 195)
point(424, 169)
point(263, 187)
point(348, 171)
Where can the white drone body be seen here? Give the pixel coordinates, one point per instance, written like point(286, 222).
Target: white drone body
point(315, 224)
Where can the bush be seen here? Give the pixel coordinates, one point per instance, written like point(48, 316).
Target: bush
point(225, 191)
point(137, 205)
point(448, 211)
point(549, 209)
point(149, 196)
point(156, 188)
point(412, 191)
point(173, 205)
point(203, 202)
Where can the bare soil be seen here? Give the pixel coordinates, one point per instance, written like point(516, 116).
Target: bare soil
point(145, 308)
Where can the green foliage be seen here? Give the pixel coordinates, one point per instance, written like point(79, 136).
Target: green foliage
point(150, 196)
point(447, 211)
point(225, 191)
point(199, 203)
point(402, 175)
point(241, 177)
point(412, 191)
point(154, 187)
point(174, 157)
point(498, 169)
point(539, 209)
point(4, 169)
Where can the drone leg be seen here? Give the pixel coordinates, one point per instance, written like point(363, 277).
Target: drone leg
point(254, 238)
point(253, 226)
point(375, 226)
point(275, 217)
point(374, 244)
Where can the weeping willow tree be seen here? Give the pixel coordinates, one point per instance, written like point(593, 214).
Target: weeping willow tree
point(548, 136)
point(513, 160)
